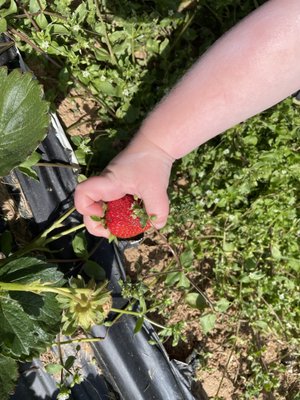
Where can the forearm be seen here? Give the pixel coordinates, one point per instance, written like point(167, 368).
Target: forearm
point(251, 68)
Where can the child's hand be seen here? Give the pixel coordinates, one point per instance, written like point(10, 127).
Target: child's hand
point(142, 169)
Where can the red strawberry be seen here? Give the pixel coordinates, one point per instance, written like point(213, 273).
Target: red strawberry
point(126, 218)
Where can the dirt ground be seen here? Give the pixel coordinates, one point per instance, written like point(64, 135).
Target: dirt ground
point(78, 113)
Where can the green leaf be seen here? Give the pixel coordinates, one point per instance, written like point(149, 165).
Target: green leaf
point(164, 44)
point(139, 324)
point(8, 376)
point(222, 305)
point(94, 270)
point(228, 247)
point(8, 11)
point(112, 238)
point(263, 325)
point(26, 332)
point(3, 25)
point(275, 251)
point(143, 304)
point(256, 276)
point(105, 87)
point(196, 300)
point(179, 278)
point(60, 29)
point(102, 55)
point(172, 278)
point(69, 362)
point(208, 322)
point(53, 369)
point(294, 264)
point(29, 172)
point(79, 244)
point(41, 20)
point(186, 258)
point(152, 45)
point(183, 281)
point(30, 269)
point(81, 12)
point(34, 5)
point(32, 159)
point(81, 178)
point(96, 218)
point(23, 118)
point(250, 139)
point(29, 322)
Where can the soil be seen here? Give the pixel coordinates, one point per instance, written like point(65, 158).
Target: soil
point(82, 357)
point(79, 113)
point(14, 209)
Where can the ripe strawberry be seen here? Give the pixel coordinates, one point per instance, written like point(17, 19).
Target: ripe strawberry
point(125, 218)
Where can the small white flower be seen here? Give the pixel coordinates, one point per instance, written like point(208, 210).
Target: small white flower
point(76, 28)
point(45, 45)
point(63, 396)
point(170, 13)
point(281, 296)
point(85, 74)
point(226, 151)
point(102, 78)
point(216, 200)
point(208, 192)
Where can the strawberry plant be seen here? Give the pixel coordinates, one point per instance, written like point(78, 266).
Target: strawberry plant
point(37, 303)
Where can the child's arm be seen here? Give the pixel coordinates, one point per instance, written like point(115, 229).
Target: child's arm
point(252, 67)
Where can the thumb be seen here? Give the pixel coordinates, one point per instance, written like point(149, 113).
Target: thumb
point(156, 203)
point(90, 194)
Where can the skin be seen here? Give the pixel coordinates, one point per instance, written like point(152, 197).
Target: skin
point(249, 69)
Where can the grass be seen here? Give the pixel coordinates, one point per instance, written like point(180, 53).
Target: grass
point(234, 218)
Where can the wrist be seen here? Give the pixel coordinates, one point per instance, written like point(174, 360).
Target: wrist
point(141, 144)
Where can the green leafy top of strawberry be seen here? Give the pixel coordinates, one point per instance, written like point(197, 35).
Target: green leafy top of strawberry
point(126, 217)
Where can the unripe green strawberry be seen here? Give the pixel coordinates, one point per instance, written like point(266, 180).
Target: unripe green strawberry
point(126, 218)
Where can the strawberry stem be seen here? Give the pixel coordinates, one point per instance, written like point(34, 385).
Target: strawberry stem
point(137, 314)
